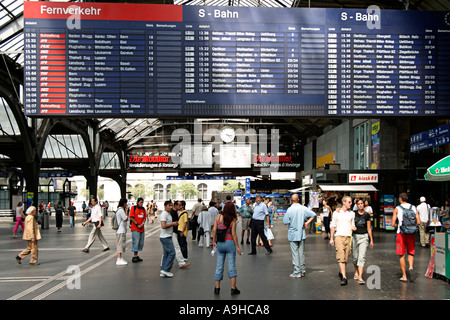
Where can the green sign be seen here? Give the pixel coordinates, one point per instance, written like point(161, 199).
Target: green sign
point(440, 171)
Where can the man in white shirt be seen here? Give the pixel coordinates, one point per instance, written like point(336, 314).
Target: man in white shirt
point(165, 237)
point(423, 208)
point(96, 218)
point(121, 232)
point(342, 225)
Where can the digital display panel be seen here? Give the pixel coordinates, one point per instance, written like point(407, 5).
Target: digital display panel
point(144, 60)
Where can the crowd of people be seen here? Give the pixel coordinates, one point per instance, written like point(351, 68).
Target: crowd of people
point(348, 229)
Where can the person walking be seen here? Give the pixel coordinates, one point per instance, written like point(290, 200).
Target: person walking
point(424, 213)
point(20, 218)
point(407, 219)
point(31, 234)
point(165, 237)
point(138, 216)
point(97, 219)
point(59, 211)
point(260, 213)
point(196, 209)
point(205, 223)
point(342, 225)
point(226, 244)
point(362, 239)
point(327, 215)
point(298, 217)
point(121, 233)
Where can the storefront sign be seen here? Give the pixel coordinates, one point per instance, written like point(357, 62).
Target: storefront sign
point(363, 177)
point(151, 161)
point(272, 161)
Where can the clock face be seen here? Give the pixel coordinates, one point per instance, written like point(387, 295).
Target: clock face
point(227, 134)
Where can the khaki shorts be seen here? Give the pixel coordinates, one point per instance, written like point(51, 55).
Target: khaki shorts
point(121, 240)
point(246, 223)
point(343, 248)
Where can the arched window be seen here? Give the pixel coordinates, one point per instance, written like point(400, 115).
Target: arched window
point(202, 191)
point(171, 192)
point(159, 192)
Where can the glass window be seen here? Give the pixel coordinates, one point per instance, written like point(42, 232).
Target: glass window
point(159, 192)
point(202, 191)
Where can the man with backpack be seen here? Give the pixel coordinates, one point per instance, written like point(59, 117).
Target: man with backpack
point(408, 221)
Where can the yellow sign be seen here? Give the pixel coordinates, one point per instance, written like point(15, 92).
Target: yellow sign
point(322, 161)
point(375, 127)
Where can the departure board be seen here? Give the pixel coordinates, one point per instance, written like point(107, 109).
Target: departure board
point(142, 60)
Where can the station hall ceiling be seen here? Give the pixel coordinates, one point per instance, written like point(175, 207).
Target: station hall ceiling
point(132, 131)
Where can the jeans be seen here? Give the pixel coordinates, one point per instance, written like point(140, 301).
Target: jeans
point(298, 256)
point(226, 249)
point(168, 253)
point(183, 244)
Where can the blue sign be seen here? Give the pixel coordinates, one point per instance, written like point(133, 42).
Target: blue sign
point(431, 138)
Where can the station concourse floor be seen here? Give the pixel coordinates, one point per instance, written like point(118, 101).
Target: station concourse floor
point(260, 277)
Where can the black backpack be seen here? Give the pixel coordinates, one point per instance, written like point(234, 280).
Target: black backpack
point(409, 223)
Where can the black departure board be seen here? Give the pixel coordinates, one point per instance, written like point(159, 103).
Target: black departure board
point(142, 60)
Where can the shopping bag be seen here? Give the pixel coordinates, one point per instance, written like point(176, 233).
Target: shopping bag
point(269, 234)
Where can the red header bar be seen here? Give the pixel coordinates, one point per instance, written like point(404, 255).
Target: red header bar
point(102, 11)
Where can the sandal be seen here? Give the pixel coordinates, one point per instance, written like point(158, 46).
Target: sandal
point(361, 281)
point(356, 276)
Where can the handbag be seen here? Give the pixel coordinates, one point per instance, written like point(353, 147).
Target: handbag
point(201, 231)
point(220, 234)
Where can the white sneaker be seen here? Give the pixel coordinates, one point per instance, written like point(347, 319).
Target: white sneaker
point(121, 262)
point(165, 274)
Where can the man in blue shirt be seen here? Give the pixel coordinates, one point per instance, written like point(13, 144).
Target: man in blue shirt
point(298, 218)
point(260, 213)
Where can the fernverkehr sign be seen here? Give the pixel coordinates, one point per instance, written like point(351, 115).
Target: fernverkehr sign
point(362, 177)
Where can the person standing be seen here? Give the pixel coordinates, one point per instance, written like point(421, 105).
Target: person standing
point(327, 215)
point(138, 216)
point(196, 209)
point(403, 217)
point(183, 229)
point(182, 262)
point(246, 211)
point(298, 217)
point(342, 225)
point(260, 213)
point(32, 234)
point(121, 233)
point(165, 237)
point(59, 211)
point(71, 211)
point(424, 213)
point(20, 218)
point(226, 246)
point(97, 219)
point(361, 237)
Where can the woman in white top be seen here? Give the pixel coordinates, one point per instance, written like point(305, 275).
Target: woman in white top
point(327, 215)
point(368, 208)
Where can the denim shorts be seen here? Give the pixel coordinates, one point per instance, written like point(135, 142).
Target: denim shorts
point(137, 241)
